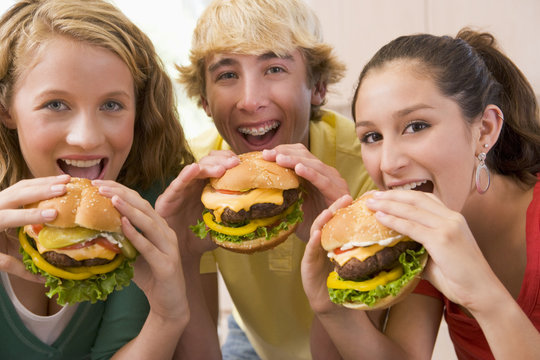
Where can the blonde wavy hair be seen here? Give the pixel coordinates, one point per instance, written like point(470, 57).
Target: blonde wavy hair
point(159, 148)
point(256, 27)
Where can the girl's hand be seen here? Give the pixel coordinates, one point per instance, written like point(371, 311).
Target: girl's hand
point(180, 204)
point(13, 214)
point(457, 267)
point(158, 269)
point(323, 184)
point(315, 265)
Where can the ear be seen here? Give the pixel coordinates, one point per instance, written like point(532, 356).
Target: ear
point(489, 128)
point(6, 119)
point(318, 93)
point(205, 106)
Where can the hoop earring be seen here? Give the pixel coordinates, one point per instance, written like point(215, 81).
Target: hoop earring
point(479, 169)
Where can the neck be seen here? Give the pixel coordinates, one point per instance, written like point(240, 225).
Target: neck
point(499, 211)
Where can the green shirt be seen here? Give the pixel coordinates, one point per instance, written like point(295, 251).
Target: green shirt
point(96, 331)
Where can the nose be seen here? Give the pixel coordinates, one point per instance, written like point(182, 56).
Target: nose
point(393, 159)
point(253, 94)
point(85, 131)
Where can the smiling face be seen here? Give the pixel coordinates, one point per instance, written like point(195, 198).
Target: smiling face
point(413, 136)
point(259, 102)
point(74, 111)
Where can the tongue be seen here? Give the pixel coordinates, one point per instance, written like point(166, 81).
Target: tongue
point(258, 140)
point(86, 172)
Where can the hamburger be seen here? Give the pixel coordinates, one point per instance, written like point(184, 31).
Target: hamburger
point(83, 253)
point(374, 266)
point(253, 207)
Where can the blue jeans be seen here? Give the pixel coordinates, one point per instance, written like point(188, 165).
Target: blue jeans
point(237, 345)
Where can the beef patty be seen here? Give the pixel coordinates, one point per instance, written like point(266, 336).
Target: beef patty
point(63, 260)
point(385, 259)
point(262, 210)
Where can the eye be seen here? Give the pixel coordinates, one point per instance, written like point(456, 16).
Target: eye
point(226, 76)
point(275, 70)
point(416, 126)
point(56, 105)
point(370, 137)
point(111, 106)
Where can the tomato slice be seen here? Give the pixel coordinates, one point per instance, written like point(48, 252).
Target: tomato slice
point(80, 245)
point(229, 192)
point(101, 241)
point(339, 251)
point(108, 245)
point(37, 228)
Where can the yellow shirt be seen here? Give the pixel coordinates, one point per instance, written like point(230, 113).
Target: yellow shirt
point(266, 287)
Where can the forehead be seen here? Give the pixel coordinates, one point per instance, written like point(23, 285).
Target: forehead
point(230, 58)
point(395, 87)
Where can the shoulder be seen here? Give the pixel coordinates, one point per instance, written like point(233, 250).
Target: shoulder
point(205, 142)
point(337, 128)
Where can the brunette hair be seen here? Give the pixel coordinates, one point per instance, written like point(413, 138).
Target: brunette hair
point(472, 70)
point(256, 27)
point(159, 147)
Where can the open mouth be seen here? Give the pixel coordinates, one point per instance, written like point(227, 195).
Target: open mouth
point(261, 134)
point(424, 186)
point(89, 169)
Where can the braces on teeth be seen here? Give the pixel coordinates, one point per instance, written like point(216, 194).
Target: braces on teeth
point(258, 131)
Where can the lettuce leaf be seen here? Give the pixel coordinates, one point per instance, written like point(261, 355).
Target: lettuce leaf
point(411, 267)
point(95, 288)
point(296, 216)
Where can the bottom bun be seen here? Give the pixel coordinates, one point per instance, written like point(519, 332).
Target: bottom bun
point(258, 244)
point(390, 300)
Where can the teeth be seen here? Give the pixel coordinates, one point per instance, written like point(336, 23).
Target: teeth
point(410, 185)
point(82, 163)
point(258, 131)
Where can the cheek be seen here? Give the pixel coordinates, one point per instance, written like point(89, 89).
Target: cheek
point(371, 162)
point(121, 137)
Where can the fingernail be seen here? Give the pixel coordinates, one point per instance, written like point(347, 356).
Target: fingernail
point(378, 193)
point(117, 200)
point(48, 214)
point(58, 188)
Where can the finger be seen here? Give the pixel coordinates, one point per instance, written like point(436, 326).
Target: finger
point(314, 249)
point(420, 209)
point(20, 217)
point(152, 226)
point(286, 149)
point(14, 266)
point(331, 185)
point(415, 199)
point(327, 214)
point(30, 191)
point(227, 159)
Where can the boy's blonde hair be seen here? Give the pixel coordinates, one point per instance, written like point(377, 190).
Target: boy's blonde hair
point(159, 147)
point(256, 27)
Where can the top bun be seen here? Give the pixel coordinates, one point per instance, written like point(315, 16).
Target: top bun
point(354, 223)
point(83, 205)
point(255, 172)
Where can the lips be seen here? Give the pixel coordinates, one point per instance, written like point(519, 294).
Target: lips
point(89, 169)
point(260, 134)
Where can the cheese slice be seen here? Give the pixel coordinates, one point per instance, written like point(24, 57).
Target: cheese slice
point(217, 201)
point(88, 252)
point(361, 253)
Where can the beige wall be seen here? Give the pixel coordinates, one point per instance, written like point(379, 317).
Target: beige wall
point(358, 28)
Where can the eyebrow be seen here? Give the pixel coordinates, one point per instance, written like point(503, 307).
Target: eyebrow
point(399, 113)
point(230, 61)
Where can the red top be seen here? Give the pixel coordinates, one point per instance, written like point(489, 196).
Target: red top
point(466, 334)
